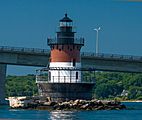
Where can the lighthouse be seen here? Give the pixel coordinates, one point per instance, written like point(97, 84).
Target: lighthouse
point(63, 78)
point(65, 54)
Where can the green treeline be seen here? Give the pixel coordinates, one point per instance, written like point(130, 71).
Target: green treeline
point(21, 85)
point(109, 85)
point(125, 86)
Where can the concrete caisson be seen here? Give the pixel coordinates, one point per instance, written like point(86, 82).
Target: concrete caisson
point(66, 91)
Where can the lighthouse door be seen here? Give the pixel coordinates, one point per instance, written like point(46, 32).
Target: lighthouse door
point(76, 75)
point(74, 62)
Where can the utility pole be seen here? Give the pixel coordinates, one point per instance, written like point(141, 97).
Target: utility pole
point(97, 39)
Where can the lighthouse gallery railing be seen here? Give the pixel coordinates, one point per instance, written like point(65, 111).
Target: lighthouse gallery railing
point(43, 77)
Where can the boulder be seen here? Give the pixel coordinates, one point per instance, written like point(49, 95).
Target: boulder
point(51, 103)
point(84, 106)
point(76, 102)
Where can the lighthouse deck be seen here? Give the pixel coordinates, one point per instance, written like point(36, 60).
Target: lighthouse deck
point(64, 79)
point(43, 75)
point(75, 41)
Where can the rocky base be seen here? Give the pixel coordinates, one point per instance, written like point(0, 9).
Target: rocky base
point(46, 104)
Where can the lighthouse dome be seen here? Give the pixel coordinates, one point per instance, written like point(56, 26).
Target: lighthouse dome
point(66, 19)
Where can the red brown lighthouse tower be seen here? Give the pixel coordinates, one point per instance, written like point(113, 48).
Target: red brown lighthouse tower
point(63, 79)
point(65, 53)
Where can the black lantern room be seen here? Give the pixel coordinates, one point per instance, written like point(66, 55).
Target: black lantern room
point(65, 35)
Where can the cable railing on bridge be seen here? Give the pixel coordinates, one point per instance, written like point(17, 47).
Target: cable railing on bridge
point(111, 56)
point(24, 50)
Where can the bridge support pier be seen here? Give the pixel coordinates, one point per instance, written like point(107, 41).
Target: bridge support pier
point(2, 83)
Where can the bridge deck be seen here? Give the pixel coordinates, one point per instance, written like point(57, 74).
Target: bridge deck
point(40, 57)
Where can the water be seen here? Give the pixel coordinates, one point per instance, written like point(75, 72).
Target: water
point(134, 112)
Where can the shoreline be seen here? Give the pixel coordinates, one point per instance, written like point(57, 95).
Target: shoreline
point(132, 101)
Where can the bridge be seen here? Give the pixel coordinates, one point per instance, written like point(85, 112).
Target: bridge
point(40, 57)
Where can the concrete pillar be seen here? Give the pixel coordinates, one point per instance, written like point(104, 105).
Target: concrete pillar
point(2, 83)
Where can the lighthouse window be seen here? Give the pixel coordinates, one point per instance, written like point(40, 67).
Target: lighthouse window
point(49, 75)
point(74, 62)
point(62, 24)
point(59, 49)
point(76, 75)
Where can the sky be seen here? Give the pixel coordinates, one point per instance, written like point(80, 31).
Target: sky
point(28, 23)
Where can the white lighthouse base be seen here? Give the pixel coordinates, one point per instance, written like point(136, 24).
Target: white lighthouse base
point(59, 75)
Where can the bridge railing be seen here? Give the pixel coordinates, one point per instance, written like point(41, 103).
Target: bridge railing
point(23, 50)
point(111, 56)
point(83, 54)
